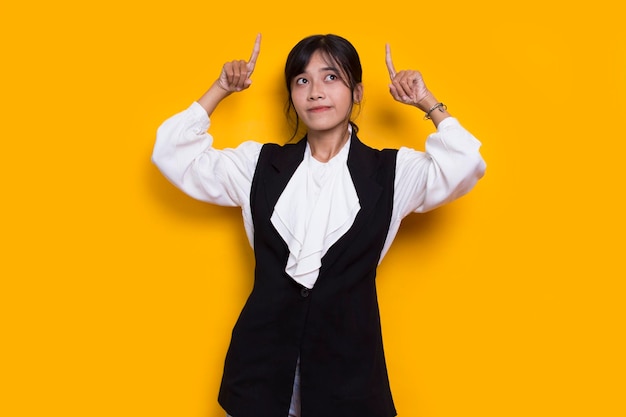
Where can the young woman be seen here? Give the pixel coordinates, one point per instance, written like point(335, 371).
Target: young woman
point(320, 214)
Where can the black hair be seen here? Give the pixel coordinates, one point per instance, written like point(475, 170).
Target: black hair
point(338, 50)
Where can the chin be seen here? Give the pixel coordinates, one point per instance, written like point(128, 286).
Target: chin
point(322, 126)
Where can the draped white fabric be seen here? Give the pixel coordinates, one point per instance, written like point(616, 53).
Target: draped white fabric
point(317, 207)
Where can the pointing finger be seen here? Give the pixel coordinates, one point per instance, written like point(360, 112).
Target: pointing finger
point(255, 53)
point(390, 68)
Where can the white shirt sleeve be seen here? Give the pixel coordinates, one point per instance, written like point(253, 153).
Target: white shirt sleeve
point(448, 169)
point(185, 155)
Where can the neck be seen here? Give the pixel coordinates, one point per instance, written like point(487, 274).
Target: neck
point(325, 145)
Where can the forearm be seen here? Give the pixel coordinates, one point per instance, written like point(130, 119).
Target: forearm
point(438, 114)
point(213, 96)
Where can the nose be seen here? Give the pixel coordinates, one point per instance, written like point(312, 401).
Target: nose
point(316, 91)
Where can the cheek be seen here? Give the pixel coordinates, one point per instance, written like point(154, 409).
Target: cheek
point(343, 95)
point(298, 99)
point(346, 100)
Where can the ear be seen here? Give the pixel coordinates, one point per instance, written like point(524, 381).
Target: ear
point(357, 95)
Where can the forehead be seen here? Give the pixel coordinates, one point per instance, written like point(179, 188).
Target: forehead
point(320, 61)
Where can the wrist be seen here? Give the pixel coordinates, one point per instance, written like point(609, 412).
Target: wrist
point(426, 103)
point(213, 96)
point(219, 90)
point(432, 111)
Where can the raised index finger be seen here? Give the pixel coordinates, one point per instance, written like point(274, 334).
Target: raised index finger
point(390, 68)
point(255, 53)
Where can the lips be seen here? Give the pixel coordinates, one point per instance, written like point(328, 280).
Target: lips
point(318, 109)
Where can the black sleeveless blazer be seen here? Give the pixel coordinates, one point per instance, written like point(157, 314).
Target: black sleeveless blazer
point(333, 328)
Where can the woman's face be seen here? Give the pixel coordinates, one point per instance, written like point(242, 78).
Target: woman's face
point(321, 96)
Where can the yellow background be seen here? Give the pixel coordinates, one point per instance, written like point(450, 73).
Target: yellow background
point(118, 292)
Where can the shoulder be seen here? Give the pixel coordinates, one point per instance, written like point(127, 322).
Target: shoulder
point(365, 152)
point(286, 146)
point(284, 149)
point(282, 156)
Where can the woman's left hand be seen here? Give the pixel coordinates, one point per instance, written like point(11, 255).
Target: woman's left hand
point(406, 86)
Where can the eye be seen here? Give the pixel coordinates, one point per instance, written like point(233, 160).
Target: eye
point(301, 81)
point(331, 77)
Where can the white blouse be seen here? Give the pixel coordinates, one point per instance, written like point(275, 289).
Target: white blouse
point(317, 207)
point(306, 217)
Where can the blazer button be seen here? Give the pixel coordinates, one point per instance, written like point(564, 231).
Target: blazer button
point(304, 292)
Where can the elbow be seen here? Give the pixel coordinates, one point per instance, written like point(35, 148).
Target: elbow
point(447, 188)
point(480, 167)
point(471, 168)
point(468, 180)
point(158, 150)
point(158, 157)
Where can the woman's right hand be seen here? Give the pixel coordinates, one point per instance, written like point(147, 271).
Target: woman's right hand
point(236, 74)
